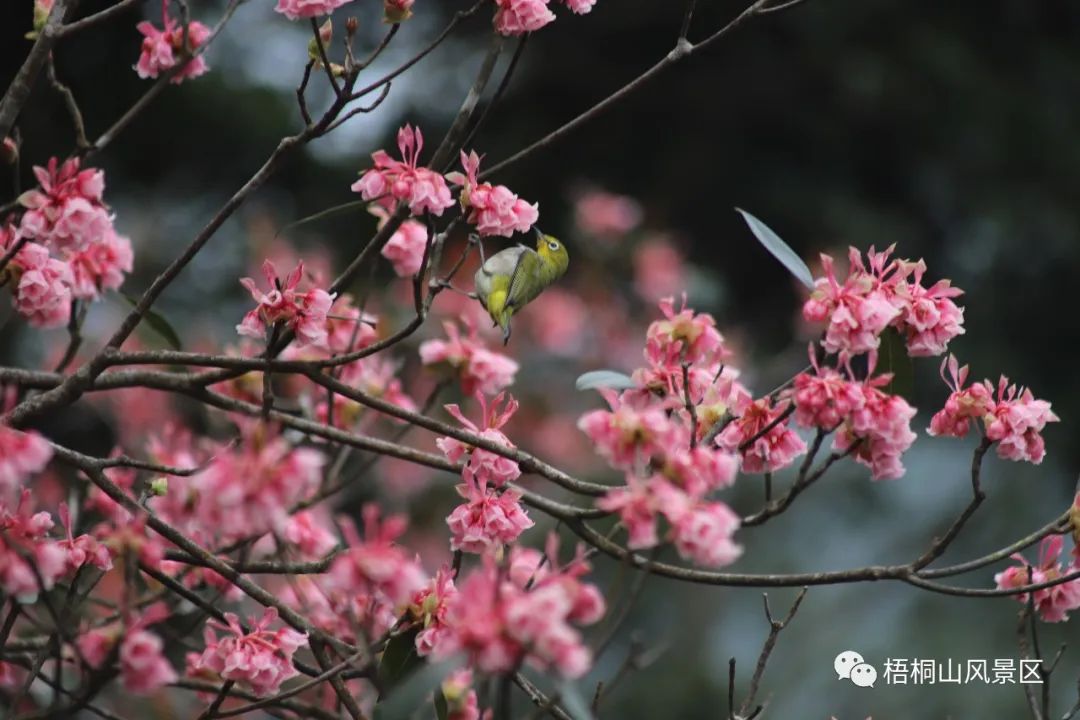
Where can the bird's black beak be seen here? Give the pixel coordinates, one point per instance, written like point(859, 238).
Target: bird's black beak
point(539, 233)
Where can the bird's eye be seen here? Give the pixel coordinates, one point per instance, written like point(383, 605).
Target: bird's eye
point(553, 246)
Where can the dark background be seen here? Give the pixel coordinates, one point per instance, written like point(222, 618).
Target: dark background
point(950, 129)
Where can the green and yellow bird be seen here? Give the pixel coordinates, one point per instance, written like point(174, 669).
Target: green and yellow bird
point(512, 278)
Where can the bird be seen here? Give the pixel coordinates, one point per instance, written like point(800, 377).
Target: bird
point(512, 278)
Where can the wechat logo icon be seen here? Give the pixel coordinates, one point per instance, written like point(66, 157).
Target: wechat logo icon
point(849, 665)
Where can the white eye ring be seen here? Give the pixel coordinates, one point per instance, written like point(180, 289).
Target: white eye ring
point(553, 246)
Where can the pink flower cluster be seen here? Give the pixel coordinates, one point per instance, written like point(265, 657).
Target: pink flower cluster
point(83, 549)
point(371, 582)
point(462, 702)
point(517, 17)
point(244, 490)
point(873, 424)
point(298, 9)
point(1053, 603)
point(302, 312)
point(21, 455)
point(492, 514)
point(650, 436)
point(428, 609)
point(1013, 418)
point(163, 49)
point(70, 249)
point(24, 537)
point(883, 292)
point(770, 444)
point(476, 367)
point(493, 209)
point(260, 659)
point(405, 248)
point(144, 668)
point(374, 375)
point(390, 181)
point(500, 619)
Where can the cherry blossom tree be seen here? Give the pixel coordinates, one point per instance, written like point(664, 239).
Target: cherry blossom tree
point(132, 573)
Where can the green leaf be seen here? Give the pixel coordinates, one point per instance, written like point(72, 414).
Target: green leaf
point(158, 323)
point(779, 249)
point(323, 214)
point(399, 659)
point(442, 711)
point(893, 358)
point(604, 379)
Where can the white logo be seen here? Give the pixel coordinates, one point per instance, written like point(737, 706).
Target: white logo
point(850, 665)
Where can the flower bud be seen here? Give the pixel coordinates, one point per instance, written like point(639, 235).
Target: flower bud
point(9, 151)
point(396, 11)
point(159, 486)
point(351, 26)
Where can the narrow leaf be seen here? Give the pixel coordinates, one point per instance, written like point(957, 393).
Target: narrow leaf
point(442, 711)
point(604, 379)
point(399, 659)
point(893, 358)
point(158, 323)
point(779, 249)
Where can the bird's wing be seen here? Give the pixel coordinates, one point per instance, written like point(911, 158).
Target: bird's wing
point(503, 263)
point(521, 290)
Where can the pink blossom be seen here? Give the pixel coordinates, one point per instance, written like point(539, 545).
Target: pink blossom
point(777, 448)
point(476, 367)
point(883, 292)
point(516, 17)
point(461, 700)
point(879, 430)
point(601, 213)
point(23, 537)
point(628, 435)
point(931, 319)
point(101, 265)
point(21, 455)
point(857, 312)
point(83, 549)
point(704, 534)
point(245, 490)
point(1016, 422)
point(375, 375)
point(637, 510)
point(494, 209)
point(488, 519)
point(297, 9)
point(375, 566)
point(823, 400)
point(65, 212)
point(143, 666)
point(303, 312)
point(1012, 417)
point(421, 188)
point(395, 11)
point(688, 336)
point(580, 7)
point(260, 659)
point(405, 248)
point(963, 404)
point(484, 466)
point(43, 295)
point(304, 532)
point(1052, 603)
point(162, 49)
point(429, 607)
point(498, 623)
